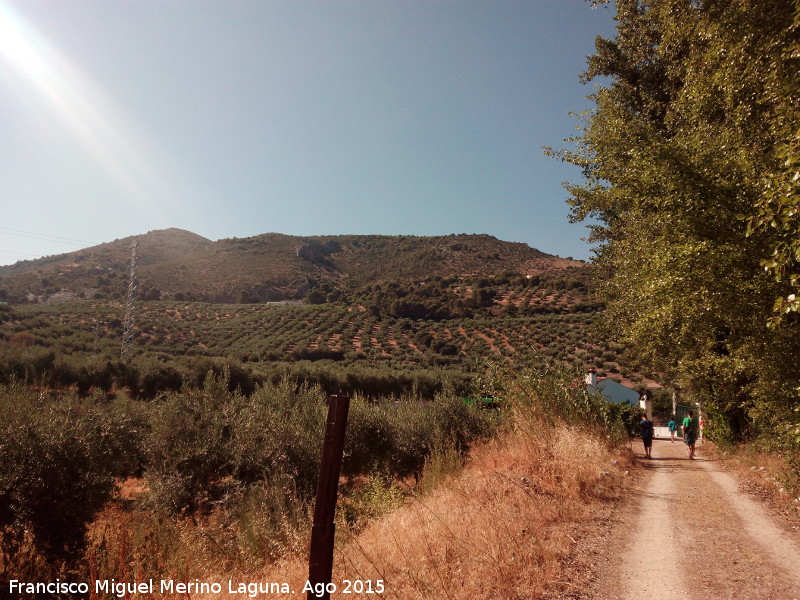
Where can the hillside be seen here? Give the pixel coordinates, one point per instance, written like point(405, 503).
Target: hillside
point(177, 264)
point(377, 314)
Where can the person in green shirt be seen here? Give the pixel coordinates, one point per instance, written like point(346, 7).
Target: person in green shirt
point(689, 433)
point(672, 427)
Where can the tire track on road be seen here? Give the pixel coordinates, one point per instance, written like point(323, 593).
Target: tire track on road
point(690, 534)
point(653, 528)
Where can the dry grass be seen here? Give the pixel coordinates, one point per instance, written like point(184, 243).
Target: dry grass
point(501, 529)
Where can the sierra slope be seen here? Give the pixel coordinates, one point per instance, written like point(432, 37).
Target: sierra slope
point(174, 263)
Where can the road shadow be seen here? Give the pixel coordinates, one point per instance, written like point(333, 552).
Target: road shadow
point(670, 463)
point(669, 455)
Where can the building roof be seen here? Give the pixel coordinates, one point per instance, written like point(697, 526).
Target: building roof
point(614, 391)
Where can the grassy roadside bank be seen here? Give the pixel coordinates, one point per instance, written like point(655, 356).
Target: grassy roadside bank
point(504, 526)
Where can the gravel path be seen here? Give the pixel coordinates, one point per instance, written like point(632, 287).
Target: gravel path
point(690, 533)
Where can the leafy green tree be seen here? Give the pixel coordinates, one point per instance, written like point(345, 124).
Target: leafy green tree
point(152, 294)
point(316, 296)
point(244, 297)
point(778, 214)
point(675, 157)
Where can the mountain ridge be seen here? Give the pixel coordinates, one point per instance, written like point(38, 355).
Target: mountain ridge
point(175, 263)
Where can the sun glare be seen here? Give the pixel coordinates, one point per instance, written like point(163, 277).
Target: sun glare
point(101, 128)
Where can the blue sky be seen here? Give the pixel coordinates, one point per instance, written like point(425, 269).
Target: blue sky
point(239, 117)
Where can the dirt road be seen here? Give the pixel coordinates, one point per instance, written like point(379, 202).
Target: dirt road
point(690, 533)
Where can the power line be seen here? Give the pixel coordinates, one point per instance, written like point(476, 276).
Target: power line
point(42, 236)
point(15, 253)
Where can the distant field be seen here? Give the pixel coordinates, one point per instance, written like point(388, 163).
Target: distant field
point(275, 332)
point(260, 337)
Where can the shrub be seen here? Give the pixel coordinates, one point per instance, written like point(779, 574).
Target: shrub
point(48, 487)
point(278, 433)
point(459, 425)
point(187, 446)
point(269, 518)
point(57, 464)
point(368, 500)
point(369, 443)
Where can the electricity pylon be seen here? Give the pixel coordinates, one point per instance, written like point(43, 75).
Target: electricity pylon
point(130, 307)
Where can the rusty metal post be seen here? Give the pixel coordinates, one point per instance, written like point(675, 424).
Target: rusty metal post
point(320, 562)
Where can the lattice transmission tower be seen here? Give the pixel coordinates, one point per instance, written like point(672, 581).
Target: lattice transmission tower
point(130, 307)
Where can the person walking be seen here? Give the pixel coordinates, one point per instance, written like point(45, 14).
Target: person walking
point(689, 433)
point(672, 427)
point(646, 428)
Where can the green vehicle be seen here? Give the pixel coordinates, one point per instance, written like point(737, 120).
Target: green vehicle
point(487, 402)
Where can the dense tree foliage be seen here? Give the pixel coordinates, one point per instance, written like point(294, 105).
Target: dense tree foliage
point(690, 169)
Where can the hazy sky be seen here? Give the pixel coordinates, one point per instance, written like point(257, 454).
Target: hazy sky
point(231, 118)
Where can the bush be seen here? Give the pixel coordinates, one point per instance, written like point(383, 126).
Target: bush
point(57, 464)
point(459, 425)
point(187, 446)
point(419, 430)
point(278, 433)
point(414, 439)
point(49, 488)
point(370, 439)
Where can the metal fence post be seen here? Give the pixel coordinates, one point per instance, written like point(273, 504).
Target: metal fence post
point(320, 562)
